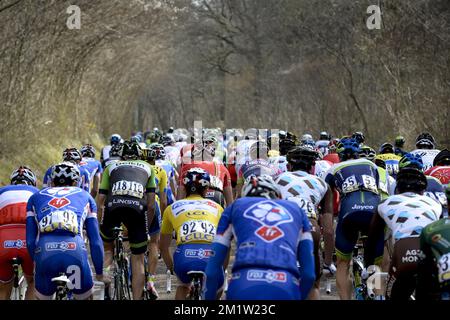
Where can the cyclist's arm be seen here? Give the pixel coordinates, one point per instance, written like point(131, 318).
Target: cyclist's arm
point(376, 231)
point(31, 228)
point(162, 191)
point(228, 190)
point(103, 192)
point(95, 185)
point(93, 234)
point(166, 238)
point(222, 243)
point(150, 190)
point(305, 256)
point(327, 224)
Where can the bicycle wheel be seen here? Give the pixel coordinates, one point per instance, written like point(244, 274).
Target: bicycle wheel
point(125, 279)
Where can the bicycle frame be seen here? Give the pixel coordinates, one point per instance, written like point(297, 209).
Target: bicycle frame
point(120, 263)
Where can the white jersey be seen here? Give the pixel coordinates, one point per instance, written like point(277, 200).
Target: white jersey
point(427, 155)
point(322, 146)
point(172, 154)
point(408, 213)
point(321, 168)
point(280, 162)
point(243, 153)
point(303, 188)
point(105, 153)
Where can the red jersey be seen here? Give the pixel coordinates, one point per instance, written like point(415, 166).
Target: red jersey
point(220, 177)
point(332, 157)
point(442, 173)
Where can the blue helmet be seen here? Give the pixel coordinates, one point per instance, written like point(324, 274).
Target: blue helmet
point(196, 180)
point(115, 139)
point(348, 146)
point(410, 160)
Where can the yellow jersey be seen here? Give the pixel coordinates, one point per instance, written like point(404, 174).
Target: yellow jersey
point(194, 220)
point(160, 179)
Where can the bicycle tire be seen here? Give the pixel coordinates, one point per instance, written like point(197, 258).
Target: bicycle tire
point(126, 283)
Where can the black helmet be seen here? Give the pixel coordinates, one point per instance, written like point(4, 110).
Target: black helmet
point(359, 137)
point(302, 156)
point(286, 144)
point(386, 148)
point(130, 151)
point(410, 178)
point(425, 141)
point(324, 136)
point(23, 175)
point(115, 150)
point(442, 158)
point(65, 174)
point(72, 155)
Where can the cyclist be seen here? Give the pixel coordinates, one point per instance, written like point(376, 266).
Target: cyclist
point(441, 167)
point(55, 219)
point(114, 154)
point(359, 137)
point(313, 195)
point(390, 159)
point(74, 156)
point(172, 152)
point(323, 142)
point(104, 155)
point(220, 189)
point(426, 148)
point(332, 156)
point(128, 187)
point(399, 144)
point(433, 276)
point(13, 202)
point(194, 220)
point(272, 236)
point(357, 181)
point(157, 151)
point(93, 166)
point(405, 214)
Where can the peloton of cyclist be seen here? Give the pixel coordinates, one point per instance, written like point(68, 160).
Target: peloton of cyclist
point(56, 216)
point(195, 220)
point(13, 213)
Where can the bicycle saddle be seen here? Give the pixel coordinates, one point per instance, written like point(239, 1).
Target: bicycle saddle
point(61, 280)
point(195, 274)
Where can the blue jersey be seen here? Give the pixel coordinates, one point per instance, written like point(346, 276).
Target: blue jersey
point(268, 233)
point(84, 182)
point(353, 175)
point(61, 210)
point(93, 166)
point(170, 171)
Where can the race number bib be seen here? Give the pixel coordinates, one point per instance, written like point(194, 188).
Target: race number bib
point(216, 183)
point(444, 268)
point(128, 188)
point(59, 220)
point(350, 184)
point(197, 230)
point(369, 183)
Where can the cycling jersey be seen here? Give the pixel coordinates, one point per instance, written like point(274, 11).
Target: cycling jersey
point(321, 168)
point(93, 166)
point(307, 188)
point(332, 157)
point(354, 175)
point(104, 155)
point(172, 154)
point(194, 220)
point(83, 183)
point(391, 160)
point(427, 155)
point(279, 162)
point(442, 173)
point(269, 235)
point(160, 179)
point(55, 220)
point(13, 213)
point(386, 185)
point(170, 173)
point(400, 152)
point(322, 146)
point(408, 213)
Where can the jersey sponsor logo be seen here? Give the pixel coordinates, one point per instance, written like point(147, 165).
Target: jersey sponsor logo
point(266, 276)
point(60, 246)
point(270, 216)
point(411, 256)
point(194, 205)
point(361, 207)
point(10, 244)
point(59, 202)
point(126, 202)
point(60, 192)
point(200, 253)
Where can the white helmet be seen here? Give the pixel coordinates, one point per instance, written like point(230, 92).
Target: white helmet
point(261, 186)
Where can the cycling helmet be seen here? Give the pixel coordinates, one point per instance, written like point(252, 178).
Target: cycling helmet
point(411, 178)
point(209, 143)
point(156, 152)
point(23, 175)
point(167, 140)
point(442, 158)
point(72, 155)
point(258, 150)
point(306, 137)
point(136, 138)
point(410, 160)
point(399, 142)
point(196, 180)
point(324, 135)
point(425, 141)
point(348, 148)
point(332, 145)
point(115, 150)
point(368, 153)
point(359, 137)
point(171, 130)
point(386, 148)
point(285, 144)
point(115, 139)
point(302, 156)
point(65, 174)
point(88, 151)
point(154, 136)
point(130, 151)
point(261, 186)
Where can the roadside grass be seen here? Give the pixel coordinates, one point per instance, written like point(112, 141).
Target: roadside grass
point(39, 157)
